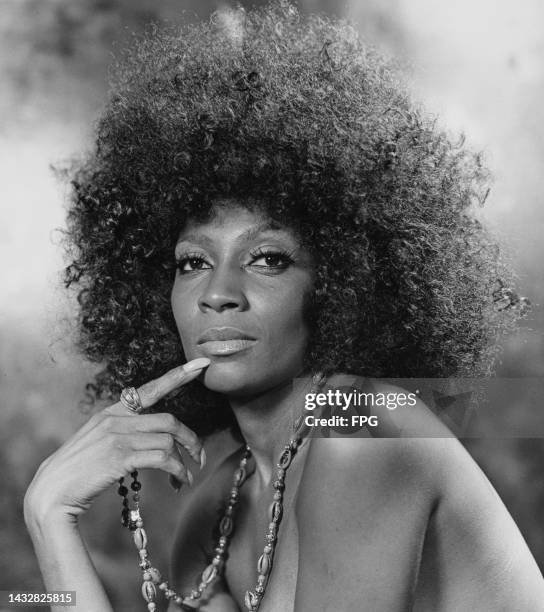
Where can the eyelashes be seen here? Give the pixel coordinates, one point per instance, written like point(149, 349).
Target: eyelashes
point(195, 261)
point(275, 259)
point(283, 259)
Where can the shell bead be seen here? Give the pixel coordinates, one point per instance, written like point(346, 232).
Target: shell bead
point(239, 476)
point(209, 573)
point(225, 526)
point(276, 511)
point(140, 538)
point(155, 575)
point(286, 458)
point(264, 564)
point(149, 591)
point(151, 606)
point(251, 600)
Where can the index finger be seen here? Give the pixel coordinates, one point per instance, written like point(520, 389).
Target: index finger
point(154, 390)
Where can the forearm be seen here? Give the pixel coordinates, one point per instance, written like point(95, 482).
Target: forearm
point(66, 565)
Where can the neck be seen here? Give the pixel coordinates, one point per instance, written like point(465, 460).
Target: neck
point(266, 422)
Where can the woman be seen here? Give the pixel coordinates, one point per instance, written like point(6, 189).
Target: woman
point(266, 206)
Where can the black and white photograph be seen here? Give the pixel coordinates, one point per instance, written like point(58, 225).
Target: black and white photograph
point(271, 305)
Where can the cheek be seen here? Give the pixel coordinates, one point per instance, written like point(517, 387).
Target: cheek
point(286, 326)
point(181, 309)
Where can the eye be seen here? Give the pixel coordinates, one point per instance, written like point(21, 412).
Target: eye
point(191, 262)
point(271, 258)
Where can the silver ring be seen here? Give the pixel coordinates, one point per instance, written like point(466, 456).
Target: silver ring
point(131, 400)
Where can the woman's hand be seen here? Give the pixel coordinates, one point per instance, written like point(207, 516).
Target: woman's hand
point(112, 444)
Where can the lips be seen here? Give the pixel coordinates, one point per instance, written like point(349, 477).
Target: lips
point(221, 341)
point(223, 333)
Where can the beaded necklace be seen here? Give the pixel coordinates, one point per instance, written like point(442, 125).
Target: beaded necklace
point(151, 577)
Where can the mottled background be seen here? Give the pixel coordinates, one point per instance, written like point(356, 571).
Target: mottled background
point(478, 63)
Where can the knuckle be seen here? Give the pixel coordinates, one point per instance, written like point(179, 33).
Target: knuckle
point(112, 440)
point(150, 391)
point(192, 438)
point(163, 456)
point(171, 424)
point(168, 443)
point(107, 423)
point(129, 463)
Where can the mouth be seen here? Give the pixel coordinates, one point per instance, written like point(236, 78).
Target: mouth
point(225, 341)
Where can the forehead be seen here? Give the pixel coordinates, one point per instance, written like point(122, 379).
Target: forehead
point(232, 218)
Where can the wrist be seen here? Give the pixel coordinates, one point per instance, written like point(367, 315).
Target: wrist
point(42, 517)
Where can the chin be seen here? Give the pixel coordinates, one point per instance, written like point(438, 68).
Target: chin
point(236, 379)
point(229, 377)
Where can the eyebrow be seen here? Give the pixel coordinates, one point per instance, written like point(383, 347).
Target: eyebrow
point(248, 235)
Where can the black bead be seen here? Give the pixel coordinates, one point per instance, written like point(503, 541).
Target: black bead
point(125, 502)
point(136, 486)
point(122, 490)
point(134, 474)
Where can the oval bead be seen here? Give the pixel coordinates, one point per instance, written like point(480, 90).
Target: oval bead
point(140, 538)
point(209, 573)
point(225, 526)
point(263, 564)
point(276, 511)
point(149, 591)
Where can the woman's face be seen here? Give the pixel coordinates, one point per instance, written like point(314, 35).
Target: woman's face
point(238, 299)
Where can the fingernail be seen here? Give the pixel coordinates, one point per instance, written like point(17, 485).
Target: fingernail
point(196, 364)
point(202, 458)
point(190, 478)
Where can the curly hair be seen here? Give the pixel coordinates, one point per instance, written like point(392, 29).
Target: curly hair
point(298, 113)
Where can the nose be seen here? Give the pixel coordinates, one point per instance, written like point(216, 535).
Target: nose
point(223, 291)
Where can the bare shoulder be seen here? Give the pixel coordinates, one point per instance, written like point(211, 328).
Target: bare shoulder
point(370, 500)
point(411, 497)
